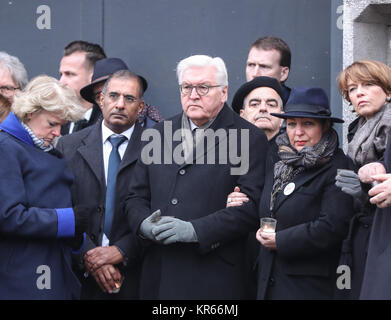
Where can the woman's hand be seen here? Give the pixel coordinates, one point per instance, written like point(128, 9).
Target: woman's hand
point(381, 193)
point(236, 198)
point(367, 172)
point(267, 239)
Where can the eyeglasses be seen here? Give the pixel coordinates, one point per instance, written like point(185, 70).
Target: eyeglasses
point(7, 90)
point(128, 99)
point(202, 89)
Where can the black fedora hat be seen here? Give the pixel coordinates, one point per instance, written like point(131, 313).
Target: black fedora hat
point(307, 103)
point(245, 89)
point(103, 69)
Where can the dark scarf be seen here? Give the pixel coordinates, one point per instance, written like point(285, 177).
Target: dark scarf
point(293, 162)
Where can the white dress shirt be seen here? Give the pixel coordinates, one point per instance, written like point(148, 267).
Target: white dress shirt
point(107, 147)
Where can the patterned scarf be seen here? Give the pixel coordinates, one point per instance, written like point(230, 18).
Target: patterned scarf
point(370, 140)
point(294, 162)
point(40, 143)
point(151, 112)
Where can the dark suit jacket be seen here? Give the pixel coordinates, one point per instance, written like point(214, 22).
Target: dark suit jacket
point(213, 268)
point(311, 224)
point(83, 151)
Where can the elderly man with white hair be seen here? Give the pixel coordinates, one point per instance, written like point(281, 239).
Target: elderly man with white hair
point(194, 244)
point(13, 75)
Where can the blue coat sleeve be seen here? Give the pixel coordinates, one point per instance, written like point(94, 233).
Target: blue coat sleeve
point(17, 216)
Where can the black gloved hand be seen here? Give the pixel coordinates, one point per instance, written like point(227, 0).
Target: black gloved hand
point(82, 216)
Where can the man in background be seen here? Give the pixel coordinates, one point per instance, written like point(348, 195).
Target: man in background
point(76, 70)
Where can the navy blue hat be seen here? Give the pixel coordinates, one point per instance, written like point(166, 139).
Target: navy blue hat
point(103, 69)
point(258, 82)
point(307, 103)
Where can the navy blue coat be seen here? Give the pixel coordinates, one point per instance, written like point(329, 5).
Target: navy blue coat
point(35, 213)
point(213, 268)
point(312, 221)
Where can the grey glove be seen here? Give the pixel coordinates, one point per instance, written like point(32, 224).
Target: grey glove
point(171, 230)
point(148, 224)
point(349, 182)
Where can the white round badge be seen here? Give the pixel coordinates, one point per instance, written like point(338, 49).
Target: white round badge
point(290, 187)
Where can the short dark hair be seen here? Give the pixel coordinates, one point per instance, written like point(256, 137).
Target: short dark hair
point(274, 43)
point(124, 74)
point(94, 52)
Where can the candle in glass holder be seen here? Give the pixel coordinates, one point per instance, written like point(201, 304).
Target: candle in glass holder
point(268, 225)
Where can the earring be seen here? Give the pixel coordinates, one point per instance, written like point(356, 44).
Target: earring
point(388, 99)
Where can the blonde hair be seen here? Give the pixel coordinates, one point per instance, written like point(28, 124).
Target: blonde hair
point(47, 93)
point(370, 71)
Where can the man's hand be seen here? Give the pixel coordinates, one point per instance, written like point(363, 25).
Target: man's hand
point(149, 223)
point(99, 256)
point(267, 239)
point(367, 172)
point(171, 230)
point(381, 193)
point(106, 277)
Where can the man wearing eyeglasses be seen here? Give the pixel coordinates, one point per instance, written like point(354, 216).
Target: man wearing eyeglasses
point(102, 158)
point(148, 117)
point(13, 75)
point(194, 244)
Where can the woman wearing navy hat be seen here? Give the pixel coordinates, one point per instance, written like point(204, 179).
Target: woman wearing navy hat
point(300, 259)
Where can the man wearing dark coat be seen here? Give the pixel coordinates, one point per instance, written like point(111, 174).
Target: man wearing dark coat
point(194, 245)
point(111, 254)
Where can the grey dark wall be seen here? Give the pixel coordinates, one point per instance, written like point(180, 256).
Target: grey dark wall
point(152, 36)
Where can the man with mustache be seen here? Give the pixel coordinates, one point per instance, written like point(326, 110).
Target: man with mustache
point(102, 158)
point(254, 101)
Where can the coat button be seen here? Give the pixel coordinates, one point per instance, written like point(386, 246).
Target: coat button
point(271, 281)
point(182, 172)
point(92, 237)
point(99, 209)
point(366, 226)
point(174, 201)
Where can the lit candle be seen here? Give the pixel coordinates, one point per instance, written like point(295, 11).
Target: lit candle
point(268, 229)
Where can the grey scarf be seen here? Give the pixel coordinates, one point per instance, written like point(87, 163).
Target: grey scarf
point(293, 162)
point(370, 139)
point(40, 143)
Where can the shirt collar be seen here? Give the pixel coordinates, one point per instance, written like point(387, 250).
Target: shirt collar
point(87, 114)
point(106, 132)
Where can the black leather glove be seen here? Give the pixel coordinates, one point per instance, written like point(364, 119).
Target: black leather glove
point(82, 216)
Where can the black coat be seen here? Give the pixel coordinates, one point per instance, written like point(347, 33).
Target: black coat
point(83, 151)
point(377, 277)
point(355, 246)
point(213, 268)
point(311, 223)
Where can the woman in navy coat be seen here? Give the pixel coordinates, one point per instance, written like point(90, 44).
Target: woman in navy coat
point(38, 226)
point(300, 259)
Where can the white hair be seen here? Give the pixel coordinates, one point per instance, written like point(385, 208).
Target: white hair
point(221, 75)
point(15, 67)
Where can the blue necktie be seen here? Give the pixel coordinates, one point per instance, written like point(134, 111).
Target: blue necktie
point(114, 161)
